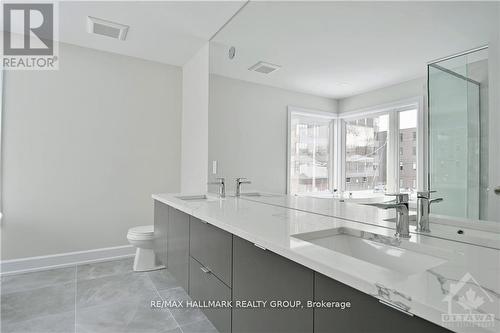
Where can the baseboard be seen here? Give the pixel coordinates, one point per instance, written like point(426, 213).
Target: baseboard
point(68, 259)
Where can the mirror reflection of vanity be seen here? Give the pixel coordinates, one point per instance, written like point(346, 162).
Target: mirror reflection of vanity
point(350, 101)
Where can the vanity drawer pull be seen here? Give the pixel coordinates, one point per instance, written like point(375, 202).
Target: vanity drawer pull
point(394, 306)
point(497, 190)
point(205, 270)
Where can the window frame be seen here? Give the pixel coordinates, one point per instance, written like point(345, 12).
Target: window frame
point(394, 134)
point(337, 165)
point(333, 160)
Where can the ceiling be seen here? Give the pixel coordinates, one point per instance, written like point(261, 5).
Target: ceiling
point(164, 31)
point(340, 49)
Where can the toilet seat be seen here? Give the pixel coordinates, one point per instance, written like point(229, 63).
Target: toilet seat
point(141, 233)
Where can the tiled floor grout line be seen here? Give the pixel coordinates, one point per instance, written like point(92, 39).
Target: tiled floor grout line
point(159, 295)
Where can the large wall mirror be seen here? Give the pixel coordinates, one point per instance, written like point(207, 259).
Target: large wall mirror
point(358, 99)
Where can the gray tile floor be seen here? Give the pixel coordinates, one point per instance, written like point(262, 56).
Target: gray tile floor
point(101, 297)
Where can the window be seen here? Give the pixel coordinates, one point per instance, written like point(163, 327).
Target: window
point(407, 161)
point(310, 159)
point(381, 151)
point(376, 151)
point(366, 153)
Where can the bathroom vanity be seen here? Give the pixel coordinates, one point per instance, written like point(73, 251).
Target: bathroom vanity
point(238, 249)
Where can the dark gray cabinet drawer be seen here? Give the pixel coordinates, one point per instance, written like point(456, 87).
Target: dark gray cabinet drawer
point(160, 237)
point(366, 314)
point(262, 275)
point(205, 286)
point(178, 246)
point(212, 247)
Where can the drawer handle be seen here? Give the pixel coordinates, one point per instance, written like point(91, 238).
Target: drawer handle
point(205, 270)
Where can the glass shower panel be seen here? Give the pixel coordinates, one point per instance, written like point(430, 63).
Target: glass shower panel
point(454, 127)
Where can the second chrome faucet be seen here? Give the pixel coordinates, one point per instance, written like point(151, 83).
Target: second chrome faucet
point(424, 202)
point(402, 213)
point(240, 181)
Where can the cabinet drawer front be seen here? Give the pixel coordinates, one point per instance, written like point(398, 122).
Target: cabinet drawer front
point(265, 276)
point(205, 286)
point(212, 247)
point(366, 314)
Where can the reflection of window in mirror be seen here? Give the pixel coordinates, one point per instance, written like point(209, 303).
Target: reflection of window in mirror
point(371, 154)
point(408, 157)
point(310, 161)
point(377, 151)
point(366, 153)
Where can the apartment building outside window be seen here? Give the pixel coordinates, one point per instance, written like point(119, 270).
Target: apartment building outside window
point(366, 153)
point(408, 157)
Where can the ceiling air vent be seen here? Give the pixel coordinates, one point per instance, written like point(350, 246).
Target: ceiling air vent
point(264, 67)
point(106, 28)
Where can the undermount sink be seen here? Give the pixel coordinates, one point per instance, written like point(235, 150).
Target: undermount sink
point(196, 197)
point(383, 251)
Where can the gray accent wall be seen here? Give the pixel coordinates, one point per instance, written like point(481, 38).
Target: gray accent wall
point(84, 148)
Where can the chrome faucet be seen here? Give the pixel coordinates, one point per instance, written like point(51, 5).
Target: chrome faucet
point(222, 186)
point(240, 181)
point(423, 208)
point(402, 213)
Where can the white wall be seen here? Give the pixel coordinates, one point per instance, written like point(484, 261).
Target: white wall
point(84, 149)
point(195, 122)
point(248, 131)
point(394, 93)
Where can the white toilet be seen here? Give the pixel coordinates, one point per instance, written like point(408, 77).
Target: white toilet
point(142, 238)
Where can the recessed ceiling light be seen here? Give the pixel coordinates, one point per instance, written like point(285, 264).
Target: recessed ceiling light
point(106, 28)
point(264, 67)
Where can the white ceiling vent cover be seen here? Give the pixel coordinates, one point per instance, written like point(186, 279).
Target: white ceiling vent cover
point(264, 67)
point(106, 28)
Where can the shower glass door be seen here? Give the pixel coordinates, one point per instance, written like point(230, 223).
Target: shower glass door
point(455, 138)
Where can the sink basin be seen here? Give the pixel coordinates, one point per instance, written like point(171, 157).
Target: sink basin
point(200, 197)
point(383, 251)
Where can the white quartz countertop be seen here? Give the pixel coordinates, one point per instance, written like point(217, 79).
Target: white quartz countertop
point(426, 294)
